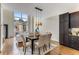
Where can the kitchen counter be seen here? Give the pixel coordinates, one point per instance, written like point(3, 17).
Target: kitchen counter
point(74, 35)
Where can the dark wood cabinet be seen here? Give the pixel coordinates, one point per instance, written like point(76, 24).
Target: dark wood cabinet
point(77, 43)
point(67, 21)
point(63, 28)
point(74, 42)
point(74, 20)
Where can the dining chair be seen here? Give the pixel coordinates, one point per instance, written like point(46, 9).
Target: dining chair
point(23, 43)
point(49, 35)
point(40, 43)
point(47, 41)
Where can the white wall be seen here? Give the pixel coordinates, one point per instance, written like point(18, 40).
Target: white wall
point(52, 25)
point(8, 18)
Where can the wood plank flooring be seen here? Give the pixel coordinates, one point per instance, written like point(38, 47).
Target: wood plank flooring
point(63, 50)
point(10, 48)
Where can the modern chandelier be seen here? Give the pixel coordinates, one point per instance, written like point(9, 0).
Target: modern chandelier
point(38, 14)
point(38, 11)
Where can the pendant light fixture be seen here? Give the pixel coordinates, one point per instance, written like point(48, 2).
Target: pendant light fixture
point(38, 23)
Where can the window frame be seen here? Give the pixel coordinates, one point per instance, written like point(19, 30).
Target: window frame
point(21, 17)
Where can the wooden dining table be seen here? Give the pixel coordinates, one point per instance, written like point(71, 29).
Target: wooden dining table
point(33, 38)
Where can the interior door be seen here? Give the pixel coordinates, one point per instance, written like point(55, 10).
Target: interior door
point(5, 28)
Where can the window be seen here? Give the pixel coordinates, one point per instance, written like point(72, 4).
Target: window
point(23, 18)
point(20, 16)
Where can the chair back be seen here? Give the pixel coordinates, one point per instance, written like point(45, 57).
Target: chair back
point(42, 40)
point(34, 34)
point(24, 41)
point(47, 38)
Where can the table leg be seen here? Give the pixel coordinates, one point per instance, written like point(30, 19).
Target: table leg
point(32, 46)
point(26, 39)
point(49, 44)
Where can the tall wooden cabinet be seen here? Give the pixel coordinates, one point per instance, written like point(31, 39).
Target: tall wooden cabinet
point(68, 21)
point(63, 28)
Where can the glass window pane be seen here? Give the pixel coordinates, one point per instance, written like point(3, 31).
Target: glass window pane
point(25, 19)
point(17, 18)
point(24, 15)
point(17, 14)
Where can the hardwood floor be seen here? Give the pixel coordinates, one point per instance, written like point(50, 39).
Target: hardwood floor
point(63, 50)
point(10, 48)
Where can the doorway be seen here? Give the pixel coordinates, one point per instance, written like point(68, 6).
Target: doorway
point(5, 30)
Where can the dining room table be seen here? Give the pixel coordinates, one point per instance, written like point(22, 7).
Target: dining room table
point(33, 38)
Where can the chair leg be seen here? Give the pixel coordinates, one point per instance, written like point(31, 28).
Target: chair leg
point(44, 48)
point(49, 45)
point(24, 50)
point(39, 50)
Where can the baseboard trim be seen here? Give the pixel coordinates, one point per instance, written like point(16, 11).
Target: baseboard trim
point(55, 42)
point(48, 51)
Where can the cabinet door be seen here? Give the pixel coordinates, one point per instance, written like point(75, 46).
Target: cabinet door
point(63, 28)
point(77, 43)
point(70, 41)
point(74, 20)
point(66, 27)
point(73, 42)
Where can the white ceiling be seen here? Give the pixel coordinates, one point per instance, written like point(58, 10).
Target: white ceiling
point(49, 9)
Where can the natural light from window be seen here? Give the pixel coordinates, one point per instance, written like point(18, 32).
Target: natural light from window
point(20, 16)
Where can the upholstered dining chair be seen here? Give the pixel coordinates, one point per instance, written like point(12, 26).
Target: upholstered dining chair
point(47, 41)
point(40, 43)
point(26, 44)
point(23, 43)
point(49, 38)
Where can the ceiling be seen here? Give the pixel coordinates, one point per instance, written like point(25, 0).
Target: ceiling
point(49, 9)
